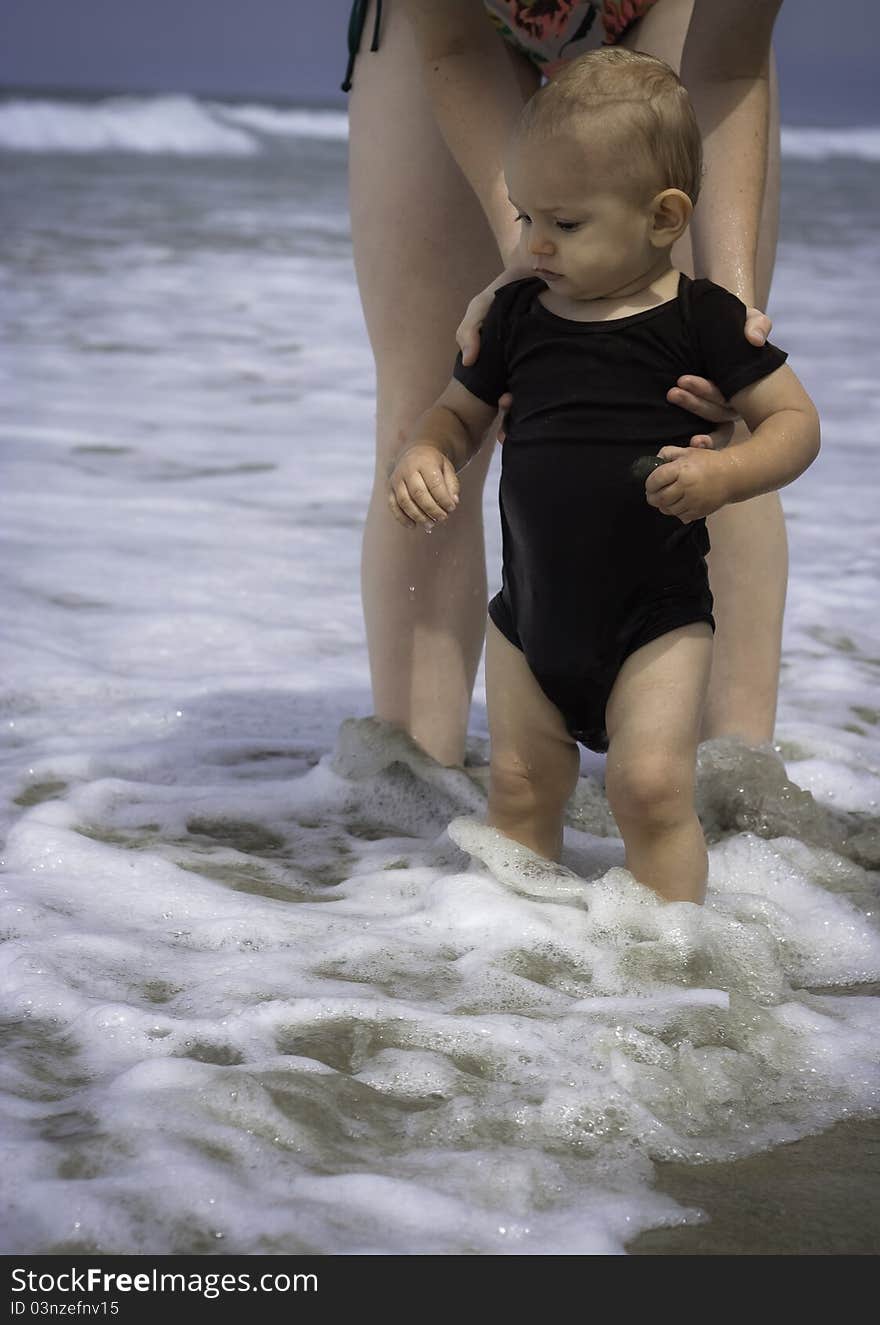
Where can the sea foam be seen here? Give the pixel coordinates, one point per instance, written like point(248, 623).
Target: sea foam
point(269, 983)
point(487, 1059)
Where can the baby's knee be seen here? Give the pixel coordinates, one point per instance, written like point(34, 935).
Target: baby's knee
point(532, 786)
point(652, 788)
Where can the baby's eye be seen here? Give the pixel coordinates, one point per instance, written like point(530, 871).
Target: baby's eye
point(521, 216)
point(567, 225)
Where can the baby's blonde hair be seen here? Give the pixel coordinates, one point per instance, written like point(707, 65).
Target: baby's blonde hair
point(635, 104)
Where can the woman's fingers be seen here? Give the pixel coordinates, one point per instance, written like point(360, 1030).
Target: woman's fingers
point(717, 439)
point(702, 397)
point(702, 388)
point(695, 404)
point(758, 326)
point(468, 333)
point(468, 339)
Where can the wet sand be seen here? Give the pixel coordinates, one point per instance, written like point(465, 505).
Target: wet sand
point(815, 1197)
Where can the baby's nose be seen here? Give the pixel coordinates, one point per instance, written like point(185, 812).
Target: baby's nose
point(540, 243)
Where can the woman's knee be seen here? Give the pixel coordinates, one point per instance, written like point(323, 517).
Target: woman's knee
point(651, 788)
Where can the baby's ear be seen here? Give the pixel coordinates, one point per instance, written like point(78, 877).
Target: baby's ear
point(671, 212)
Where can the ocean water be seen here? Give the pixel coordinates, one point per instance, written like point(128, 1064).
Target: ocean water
point(267, 985)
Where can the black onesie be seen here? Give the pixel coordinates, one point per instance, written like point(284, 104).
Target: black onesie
point(591, 572)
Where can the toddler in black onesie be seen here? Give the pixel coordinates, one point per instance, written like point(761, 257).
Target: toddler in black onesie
point(603, 623)
point(591, 572)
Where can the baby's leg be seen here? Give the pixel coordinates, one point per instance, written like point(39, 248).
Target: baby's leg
point(653, 722)
point(534, 761)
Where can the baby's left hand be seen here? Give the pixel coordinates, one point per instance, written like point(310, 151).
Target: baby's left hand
point(693, 482)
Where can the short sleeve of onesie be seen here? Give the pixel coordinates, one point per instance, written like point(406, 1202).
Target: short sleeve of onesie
point(487, 378)
point(729, 360)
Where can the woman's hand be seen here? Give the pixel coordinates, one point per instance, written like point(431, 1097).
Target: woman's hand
point(758, 326)
point(700, 396)
point(468, 333)
point(423, 486)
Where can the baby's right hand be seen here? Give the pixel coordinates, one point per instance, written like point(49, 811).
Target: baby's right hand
point(423, 487)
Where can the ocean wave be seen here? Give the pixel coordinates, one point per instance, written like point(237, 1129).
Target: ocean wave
point(182, 125)
point(857, 143)
point(159, 126)
point(285, 121)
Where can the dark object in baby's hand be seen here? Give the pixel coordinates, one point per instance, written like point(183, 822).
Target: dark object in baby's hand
point(645, 465)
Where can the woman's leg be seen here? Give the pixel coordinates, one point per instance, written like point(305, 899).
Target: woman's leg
point(748, 565)
point(535, 762)
point(422, 249)
point(653, 720)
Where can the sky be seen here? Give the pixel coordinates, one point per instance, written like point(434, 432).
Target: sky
point(296, 50)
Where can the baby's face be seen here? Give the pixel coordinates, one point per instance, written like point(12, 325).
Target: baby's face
point(586, 233)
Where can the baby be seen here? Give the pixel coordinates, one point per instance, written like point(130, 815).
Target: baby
point(602, 631)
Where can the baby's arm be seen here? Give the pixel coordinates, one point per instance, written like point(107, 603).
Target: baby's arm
point(423, 483)
point(784, 442)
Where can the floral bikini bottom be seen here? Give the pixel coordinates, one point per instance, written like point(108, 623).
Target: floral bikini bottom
point(549, 32)
point(552, 32)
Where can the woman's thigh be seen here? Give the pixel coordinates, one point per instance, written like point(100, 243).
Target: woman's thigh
point(422, 245)
point(662, 33)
